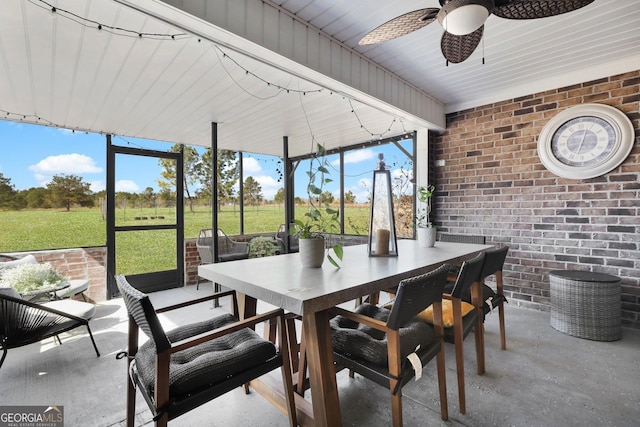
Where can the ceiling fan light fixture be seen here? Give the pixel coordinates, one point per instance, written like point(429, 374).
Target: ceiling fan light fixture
point(460, 17)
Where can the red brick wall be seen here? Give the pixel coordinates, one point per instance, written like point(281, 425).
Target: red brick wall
point(493, 183)
point(191, 261)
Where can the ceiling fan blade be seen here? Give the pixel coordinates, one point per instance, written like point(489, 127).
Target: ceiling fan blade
point(458, 48)
point(400, 26)
point(532, 9)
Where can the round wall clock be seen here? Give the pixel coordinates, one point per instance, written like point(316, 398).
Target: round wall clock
point(586, 141)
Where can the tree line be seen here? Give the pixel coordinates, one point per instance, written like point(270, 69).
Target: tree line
point(68, 191)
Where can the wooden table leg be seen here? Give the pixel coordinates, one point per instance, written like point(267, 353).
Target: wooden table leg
point(247, 306)
point(322, 376)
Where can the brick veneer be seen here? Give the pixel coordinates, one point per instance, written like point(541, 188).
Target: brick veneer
point(78, 263)
point(493, 183)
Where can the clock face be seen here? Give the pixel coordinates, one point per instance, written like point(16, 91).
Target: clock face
point(583, 141)
point(586, 141)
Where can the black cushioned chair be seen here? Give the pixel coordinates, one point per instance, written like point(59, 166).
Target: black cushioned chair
point(376, 342)
point(460, 238)
point(179, 370)
point(493, 264)
point(24, 322)
point(468, 281)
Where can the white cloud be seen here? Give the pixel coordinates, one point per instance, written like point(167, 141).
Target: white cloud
point(97, 185)
point(269, 185)
point(358, 156)
point(127, 185)
point(67, 164)
point(362, 190)
point(251, 166)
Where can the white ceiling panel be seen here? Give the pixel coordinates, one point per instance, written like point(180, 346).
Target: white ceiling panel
point(57, 69)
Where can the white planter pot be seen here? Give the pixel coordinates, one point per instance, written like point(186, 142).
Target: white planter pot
point(312, 252)
point(427, 237)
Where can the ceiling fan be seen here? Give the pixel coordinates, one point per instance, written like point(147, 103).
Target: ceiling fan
point(463, 21)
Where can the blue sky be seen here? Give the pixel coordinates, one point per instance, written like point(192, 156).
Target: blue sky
point(32, 154)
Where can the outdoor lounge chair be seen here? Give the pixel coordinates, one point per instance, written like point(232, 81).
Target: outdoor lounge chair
point(24, 322)
point(179, 370)
point(228, 249)
point(389, 346)
point(282, 236)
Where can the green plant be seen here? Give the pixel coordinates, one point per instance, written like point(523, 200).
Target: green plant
point(320, 219)
point(423, 214)
point(262, 246)
point(32, 277)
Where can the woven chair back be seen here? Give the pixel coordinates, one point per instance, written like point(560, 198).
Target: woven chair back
point(493, 261)
point(469, 273)
point(416, 294)
point(140, 308)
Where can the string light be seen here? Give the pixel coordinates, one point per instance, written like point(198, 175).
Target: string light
point(89, 23)
point(56, 11)
point(247, 72)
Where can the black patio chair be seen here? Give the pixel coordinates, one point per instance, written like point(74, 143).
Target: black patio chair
point(24, 322)
point(460, 238)
point(463, 321)
point(379, 343)
point(179, 370)
point(493, 264)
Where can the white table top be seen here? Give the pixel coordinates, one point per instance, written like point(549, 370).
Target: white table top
point(283, 282)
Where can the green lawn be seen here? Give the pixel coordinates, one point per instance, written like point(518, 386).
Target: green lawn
point(22, 231)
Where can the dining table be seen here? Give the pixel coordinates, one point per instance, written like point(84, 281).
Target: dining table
point(311, 292)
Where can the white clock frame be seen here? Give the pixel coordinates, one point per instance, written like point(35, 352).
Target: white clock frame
point(625, 138)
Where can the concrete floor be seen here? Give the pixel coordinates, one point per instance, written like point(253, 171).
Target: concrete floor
point(545, 378)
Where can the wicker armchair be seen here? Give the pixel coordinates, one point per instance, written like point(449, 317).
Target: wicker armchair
point(228, 249)
point(24, 322)
point(179, 370)
point(283, 238)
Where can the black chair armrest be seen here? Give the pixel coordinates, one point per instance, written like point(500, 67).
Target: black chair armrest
point(360, 318)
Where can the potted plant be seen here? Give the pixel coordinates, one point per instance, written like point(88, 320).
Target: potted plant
point(320, 220)
point(32, 279)
point(262, 246)
point(426, 230)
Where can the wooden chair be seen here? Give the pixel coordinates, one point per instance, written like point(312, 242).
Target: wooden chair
point(24, 322)
point(179, 370)
point(378, 343)
point(493, 264)
point(460, 238)
point(462, 324)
